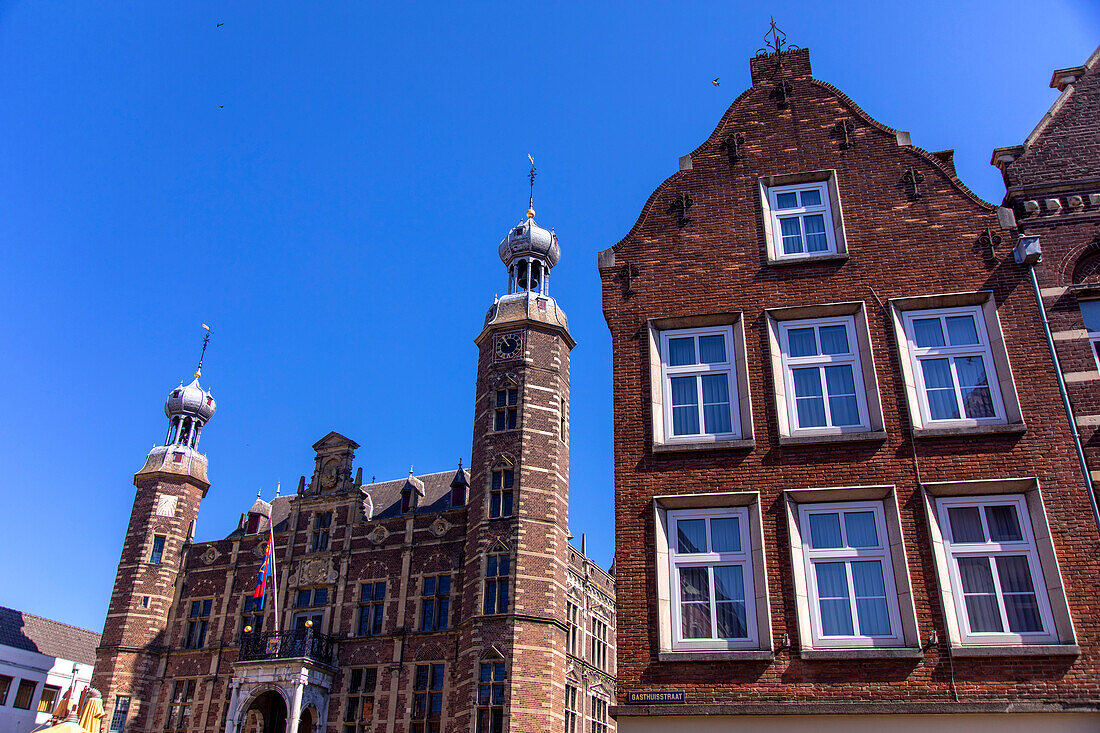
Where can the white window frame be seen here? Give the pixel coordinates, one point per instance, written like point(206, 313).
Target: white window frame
point(982, 349)
point(710, 560)
point(727, 367)
point(847, 555)
point(1094, 347)
point(1026, 547)
point(598, 724)
point(825, 210)
point(790, 363)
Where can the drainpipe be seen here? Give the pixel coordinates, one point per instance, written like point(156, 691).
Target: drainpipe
point(1029, 253)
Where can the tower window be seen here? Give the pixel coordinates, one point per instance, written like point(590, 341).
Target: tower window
point(427, 698)
point(507, 410)
point(435, 603)
point(501, 493)
point(360, 705)
point(490, 697)
point(561, 418)
point(197, 621)
point(319, 540)
point(372, 605)
point(497, 572)
point(157, 552)
point(122, 709)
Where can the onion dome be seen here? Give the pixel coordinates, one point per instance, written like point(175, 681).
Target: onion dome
point(192, 401)
point(528, 239)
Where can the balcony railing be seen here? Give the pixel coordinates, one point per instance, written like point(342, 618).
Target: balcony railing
point(288, 645)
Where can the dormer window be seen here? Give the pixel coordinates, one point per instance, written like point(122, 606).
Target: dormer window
point(253, 525)
point(406, 501)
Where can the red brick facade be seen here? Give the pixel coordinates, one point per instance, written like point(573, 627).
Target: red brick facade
point(910, 229)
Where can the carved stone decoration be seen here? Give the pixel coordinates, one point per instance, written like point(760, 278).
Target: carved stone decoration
point(313, 572)
point(379, 535)
point(260, 549)
point(439, 527)
point(330, 475)
point(210, 555)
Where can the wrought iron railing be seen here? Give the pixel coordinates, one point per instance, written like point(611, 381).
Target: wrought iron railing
point(287, 645)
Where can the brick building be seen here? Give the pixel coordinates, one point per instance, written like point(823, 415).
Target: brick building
point(847, 495)
point(1053, 189)
point(450, 601)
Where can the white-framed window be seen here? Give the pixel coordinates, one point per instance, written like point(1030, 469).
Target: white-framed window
point(572, 710)
point(801, 220)
point(849, 575)
point(574, 633)
point(599, 715)
point(710, 559)
point(953, 366)
point(995, 572)
point(823, 377)
point(1090, 314)
point(699, 384)
point(598, 646)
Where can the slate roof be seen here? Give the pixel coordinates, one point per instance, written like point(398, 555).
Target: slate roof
point(52, 638)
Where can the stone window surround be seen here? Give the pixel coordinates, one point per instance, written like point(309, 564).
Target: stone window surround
point(724, 500)
point(828, 176)
point(858, 311)
point(1013, 421)
point(910, 645)
point(656, 382)
point(1028, 487)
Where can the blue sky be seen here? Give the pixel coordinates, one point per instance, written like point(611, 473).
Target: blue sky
point(326, 185)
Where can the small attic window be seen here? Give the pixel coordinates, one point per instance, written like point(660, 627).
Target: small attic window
point(175, 393)
point(177, 458)
point(406, 500)
point(253, 525)
point(517, 231)
point(209, 400)
point(458, 495)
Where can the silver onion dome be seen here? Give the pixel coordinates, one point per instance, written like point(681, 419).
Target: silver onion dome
point(192, 400)
point(528, 239)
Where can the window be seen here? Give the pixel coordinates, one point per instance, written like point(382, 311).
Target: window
point(252, 615)
point(953, 365)
point(5, 685)
point(507, 409)
point(599, 715)
point(435, 603)
point(823, 378)
point(406, 501)
point(197, 619)
point(700, 390)
point(49, 697)
point(490, 698)
point(1090, 314)
point(993, 562)
point(310, 597)
point(500, 493)
point(157, 552)
point(118, 718)
point(318, 541)
point(359, 709)
point(572, 618)
point(25, 694)
point(253, 525)
point(800, 219)
point(309, 620)
point(372, 607)
point(597, 652)
point(496, 584)
point(561, 418)
point(852, 594)
point(178, 719)
point(427, 698)
point(711, 576)
point(572, 714)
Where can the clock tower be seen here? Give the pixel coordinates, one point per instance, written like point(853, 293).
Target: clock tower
point(517, 549)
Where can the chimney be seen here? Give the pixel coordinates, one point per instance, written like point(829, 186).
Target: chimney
point(791, 63)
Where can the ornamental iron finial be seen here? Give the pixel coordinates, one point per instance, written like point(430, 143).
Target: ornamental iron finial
point(205, 341)
point(775, 41)
point(531, 178)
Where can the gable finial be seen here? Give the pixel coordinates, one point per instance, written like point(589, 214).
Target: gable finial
point(205, 341)
point(531, 198)
point(775, 40)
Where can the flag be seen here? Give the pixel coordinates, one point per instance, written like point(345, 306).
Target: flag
point(261, 580)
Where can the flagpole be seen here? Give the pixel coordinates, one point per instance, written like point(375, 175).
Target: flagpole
point(274, 575)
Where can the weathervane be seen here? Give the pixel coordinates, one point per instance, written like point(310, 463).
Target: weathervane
point(531, 178)
point(205, 341)
point(775, 41)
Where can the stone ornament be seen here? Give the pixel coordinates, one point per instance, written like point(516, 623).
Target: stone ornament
point(210, 555)
point(312, 572)
point(379, 535)
point(439, 527)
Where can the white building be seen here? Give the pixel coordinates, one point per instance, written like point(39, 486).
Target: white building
point(39, 660)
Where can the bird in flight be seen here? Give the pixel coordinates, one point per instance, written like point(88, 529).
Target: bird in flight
point(221, 106)
point(714, 81)
point(220, 24)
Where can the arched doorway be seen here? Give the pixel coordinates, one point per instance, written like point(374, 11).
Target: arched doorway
point(305, 722)
point(266, 714)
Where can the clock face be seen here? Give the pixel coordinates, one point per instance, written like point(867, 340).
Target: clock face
point(508, 346)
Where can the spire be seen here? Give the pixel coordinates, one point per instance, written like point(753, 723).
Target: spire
point(531, 178)
point(529, 251)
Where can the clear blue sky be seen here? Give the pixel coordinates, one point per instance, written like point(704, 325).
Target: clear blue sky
point(326, 184)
